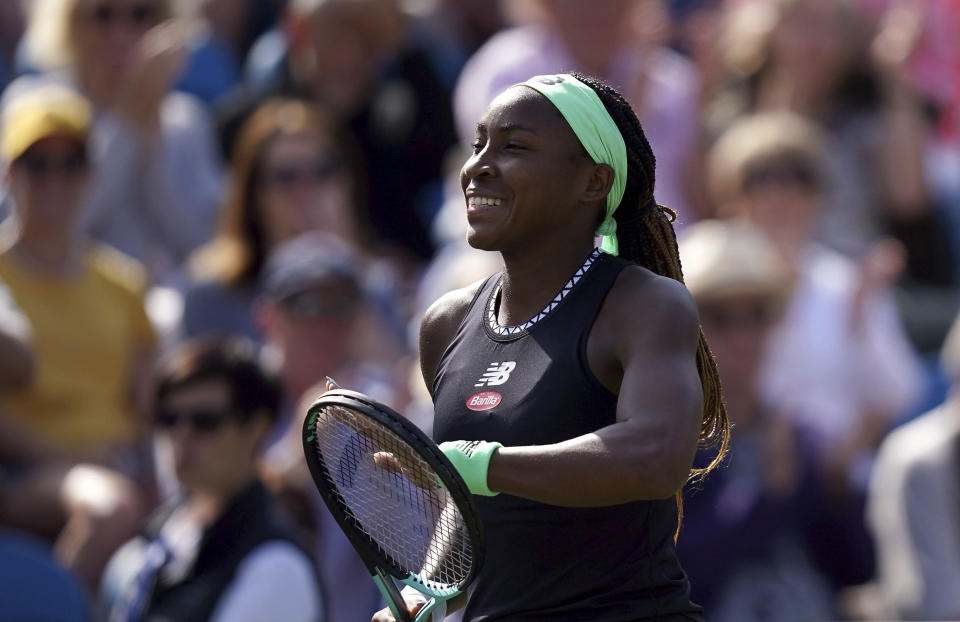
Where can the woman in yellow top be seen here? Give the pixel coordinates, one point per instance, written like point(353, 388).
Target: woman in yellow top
point(91, 336)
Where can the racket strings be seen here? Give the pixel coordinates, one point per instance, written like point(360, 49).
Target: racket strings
point(393, 496)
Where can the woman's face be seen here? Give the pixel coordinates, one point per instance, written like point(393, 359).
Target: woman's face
point(48, 183)
point(304, 187)
point(106, 32)
point(526, 175)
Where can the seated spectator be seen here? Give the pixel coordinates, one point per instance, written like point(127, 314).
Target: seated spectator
point(221, 551)
point(914, 509)
point(91, 337)
point(290, 175)
point(748, 529)
point(156, 183)
point(365, 61)
point(839, 362)
point(320, 319)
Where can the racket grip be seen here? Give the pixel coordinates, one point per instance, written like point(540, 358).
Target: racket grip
point(391, 595)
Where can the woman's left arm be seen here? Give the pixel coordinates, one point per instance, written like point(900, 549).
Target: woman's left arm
point(649, 329)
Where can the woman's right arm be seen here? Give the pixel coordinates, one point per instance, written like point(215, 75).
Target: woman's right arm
point(439, 325)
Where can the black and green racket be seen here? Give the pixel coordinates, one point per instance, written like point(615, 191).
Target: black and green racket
point(400, 502)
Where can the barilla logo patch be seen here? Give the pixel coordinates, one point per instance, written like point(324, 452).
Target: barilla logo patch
point(485, 400)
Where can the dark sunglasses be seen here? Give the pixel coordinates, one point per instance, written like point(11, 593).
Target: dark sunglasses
point(136, 15)
point(795, 175)
point(202, 421)
point(288, 176)
point(730, 316)
point(36, 164)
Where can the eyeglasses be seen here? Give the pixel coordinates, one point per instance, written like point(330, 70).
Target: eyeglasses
point(137, 15)
point(37, 165)
point(291, 175)
point(780, 174)
point(202, 421)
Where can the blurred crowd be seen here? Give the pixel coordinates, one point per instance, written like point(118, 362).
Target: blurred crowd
point(208, 206)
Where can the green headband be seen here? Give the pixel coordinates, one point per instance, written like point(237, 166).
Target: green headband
point(585, 113)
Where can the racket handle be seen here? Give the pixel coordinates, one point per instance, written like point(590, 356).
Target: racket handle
point(435, 610)
point(388, 589)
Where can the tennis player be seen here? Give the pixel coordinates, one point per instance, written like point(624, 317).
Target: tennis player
point(572, 389)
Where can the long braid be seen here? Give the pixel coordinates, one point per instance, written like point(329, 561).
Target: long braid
point(645, 235)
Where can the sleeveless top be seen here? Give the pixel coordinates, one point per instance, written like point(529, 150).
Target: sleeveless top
point(532, 385)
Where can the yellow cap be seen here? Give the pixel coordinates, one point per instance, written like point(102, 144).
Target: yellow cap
point(41, 112)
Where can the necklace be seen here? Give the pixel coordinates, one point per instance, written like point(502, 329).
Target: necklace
point(506, 331)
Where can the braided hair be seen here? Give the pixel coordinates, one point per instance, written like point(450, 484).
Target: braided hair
point(645, 235)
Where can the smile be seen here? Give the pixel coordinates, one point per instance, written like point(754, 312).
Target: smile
point(477, 201)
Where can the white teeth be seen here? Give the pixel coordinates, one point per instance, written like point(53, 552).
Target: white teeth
point(474, 201)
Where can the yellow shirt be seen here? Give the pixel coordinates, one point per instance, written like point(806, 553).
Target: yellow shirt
point(86, 330)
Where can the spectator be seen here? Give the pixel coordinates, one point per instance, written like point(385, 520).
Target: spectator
point(914, 509)
point(320, 319)
point(364, 60)
point(154, 191)
point(823, 60)
point(92, 342)
point(220, 46)
point(747, 541)
point(603, 40)
point(221, 551)
point(290, 175)
point(838, 364)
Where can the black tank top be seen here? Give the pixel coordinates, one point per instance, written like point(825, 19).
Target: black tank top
point(532, 385)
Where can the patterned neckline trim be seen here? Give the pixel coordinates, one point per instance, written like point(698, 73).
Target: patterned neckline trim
point(509, 331)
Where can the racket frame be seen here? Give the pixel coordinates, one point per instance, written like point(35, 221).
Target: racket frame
point(381, 568)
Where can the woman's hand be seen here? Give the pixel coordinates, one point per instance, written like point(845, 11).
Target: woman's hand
point(414, 601)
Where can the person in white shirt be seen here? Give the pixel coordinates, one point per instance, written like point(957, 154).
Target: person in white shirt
point(839, 362)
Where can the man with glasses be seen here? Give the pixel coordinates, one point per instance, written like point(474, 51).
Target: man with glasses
point(221, 551)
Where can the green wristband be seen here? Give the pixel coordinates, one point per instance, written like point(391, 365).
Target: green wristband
point(472, 460)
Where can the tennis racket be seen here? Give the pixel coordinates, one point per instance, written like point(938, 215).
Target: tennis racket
point(400, 502)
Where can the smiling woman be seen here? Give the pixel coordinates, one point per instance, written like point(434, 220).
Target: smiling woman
point(602, 384)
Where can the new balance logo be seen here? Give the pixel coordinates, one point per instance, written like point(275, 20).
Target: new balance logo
point(497, 373)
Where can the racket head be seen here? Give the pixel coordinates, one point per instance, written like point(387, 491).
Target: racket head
point(398, 499)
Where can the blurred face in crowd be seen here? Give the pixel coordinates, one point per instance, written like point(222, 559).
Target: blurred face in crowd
point(592, 31)
point(737, 326)
point(810, 43)
point(313, 330)
point(213, 451)
point(48, 183)
point(339, 49)
point(105, 33)
point(782, 199)
point(304, 187)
